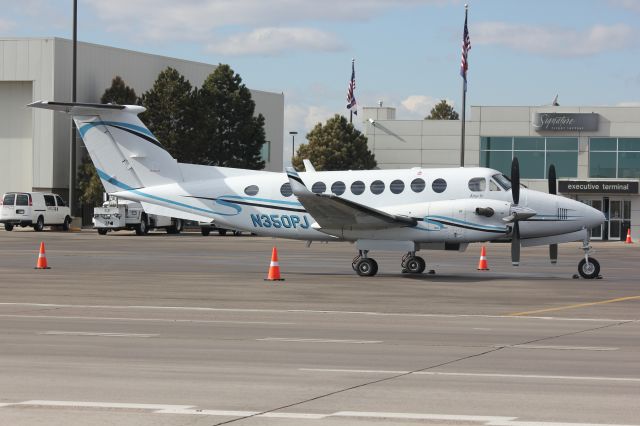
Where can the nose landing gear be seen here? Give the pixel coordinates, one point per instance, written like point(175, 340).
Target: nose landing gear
point(589, 267)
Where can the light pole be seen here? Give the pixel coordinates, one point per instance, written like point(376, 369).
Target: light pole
point(293, 145)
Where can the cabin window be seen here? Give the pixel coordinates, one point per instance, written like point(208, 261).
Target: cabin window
point(318, 188)
point(285, 190)
point(338, 188)
point(417, 185)
point(478, 184)
point(251, 190)
point(397, 186)
point(377, 187)
point(439, 185)
point(357, 187)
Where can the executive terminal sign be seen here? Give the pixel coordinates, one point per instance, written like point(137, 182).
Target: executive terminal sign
point(597, 187)
point(553, 122)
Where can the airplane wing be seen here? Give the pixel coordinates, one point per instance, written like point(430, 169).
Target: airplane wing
point(333, 212)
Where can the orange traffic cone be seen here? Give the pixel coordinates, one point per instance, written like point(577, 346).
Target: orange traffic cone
point(629, 241)
point(482, 264)
point(274, 267)
point(42, 258)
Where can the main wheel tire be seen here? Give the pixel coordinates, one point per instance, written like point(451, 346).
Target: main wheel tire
point(8, 227)
point(589, 270)
point(415, 265)
point(39, 226)
point(102, 231)
point(66, 225)
point(237, 233)
point(222, 232)
point(143, 227)
point(178, 226)
point(367, 267)
point(205, 231)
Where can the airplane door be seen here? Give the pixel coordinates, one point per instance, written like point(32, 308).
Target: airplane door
point(445, 219)
point(459, 216)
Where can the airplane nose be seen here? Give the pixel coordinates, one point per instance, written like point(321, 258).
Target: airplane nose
point(594, 217)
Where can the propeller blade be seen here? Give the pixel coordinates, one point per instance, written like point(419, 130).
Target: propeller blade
point(515, 180)
point(553, 188)
point(515, 244)
point(553, 253)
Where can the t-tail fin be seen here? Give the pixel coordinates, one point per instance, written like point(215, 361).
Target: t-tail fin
point(124, 151)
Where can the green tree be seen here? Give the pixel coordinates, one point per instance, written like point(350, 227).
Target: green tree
point(228, 134)
point(336, 146)
point(90, 188)
point(442, 111)
point(119, 93)
point(170, 114)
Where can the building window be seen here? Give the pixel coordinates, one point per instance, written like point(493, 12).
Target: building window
point(397, 186)
point(318, 188)
point(285, 190)
point(478, 184)
point(265, 151)
point(417, 185)
point(357, 187)
point(338, 188)
point(251, 190)
point(439, 185)
point(377, 187)
point(614, 157)
point(535, 155)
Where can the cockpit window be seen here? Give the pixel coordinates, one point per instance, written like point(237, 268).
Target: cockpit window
point(493, 186)
point(478, 184)
point(503, 181)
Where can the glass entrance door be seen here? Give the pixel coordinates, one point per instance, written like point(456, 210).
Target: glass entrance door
point(596, 232)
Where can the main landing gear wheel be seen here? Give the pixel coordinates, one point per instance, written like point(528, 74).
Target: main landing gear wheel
point(589, 268)
point(366, 267)
point(415, 265)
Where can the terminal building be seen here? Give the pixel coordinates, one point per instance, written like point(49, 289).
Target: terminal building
point(596, 151)
point(34, 144)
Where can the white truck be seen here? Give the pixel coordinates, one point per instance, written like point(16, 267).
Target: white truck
point(115, 215)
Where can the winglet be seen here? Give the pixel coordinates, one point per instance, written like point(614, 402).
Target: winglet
point(297, 185)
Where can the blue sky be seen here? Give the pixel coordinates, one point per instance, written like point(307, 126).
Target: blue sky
point(407, 52)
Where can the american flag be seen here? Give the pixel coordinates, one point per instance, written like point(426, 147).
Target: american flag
point(352, 105)
point(466, 46)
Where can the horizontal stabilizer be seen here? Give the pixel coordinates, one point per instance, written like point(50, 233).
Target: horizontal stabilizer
point(77, 108)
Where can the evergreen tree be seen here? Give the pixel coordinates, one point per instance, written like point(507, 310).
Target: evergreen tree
point(336, 146)
point(119, 93)
point(228, 134)
point(170, 114)
point(90, 188)
point(442, 111)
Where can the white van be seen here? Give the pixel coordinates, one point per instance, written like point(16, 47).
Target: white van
point(35, 209)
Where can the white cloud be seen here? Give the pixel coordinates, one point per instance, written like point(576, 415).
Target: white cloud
point(633, 5)
point(272, 40)
point(554, 41)
point(419, 106)
point(206, 20)
point(6, 26)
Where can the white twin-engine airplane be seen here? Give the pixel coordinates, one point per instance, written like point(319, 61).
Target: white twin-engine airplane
point(398, 210)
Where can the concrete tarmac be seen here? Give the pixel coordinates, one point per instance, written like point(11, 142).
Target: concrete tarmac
point(183, 330)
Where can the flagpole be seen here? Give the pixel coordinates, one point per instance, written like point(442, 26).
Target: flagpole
point(464, 98)
point(351, 117)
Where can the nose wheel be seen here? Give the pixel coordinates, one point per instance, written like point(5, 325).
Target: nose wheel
point(589, 267)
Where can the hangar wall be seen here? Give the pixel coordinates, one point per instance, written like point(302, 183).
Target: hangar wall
point(45, 64)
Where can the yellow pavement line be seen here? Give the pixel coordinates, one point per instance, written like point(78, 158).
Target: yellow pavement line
point(580, 305)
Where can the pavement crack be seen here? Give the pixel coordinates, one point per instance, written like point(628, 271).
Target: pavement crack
point(408, 373)
point(361, 385)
